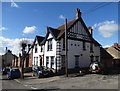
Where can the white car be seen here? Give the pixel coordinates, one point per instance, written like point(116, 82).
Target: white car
point(94, 67)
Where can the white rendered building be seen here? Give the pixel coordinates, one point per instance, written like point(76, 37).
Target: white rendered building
point(82, 47)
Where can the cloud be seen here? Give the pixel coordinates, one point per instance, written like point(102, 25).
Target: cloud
point(62, 17)
point(28, 30)
point(106, 28)
point(12, 44)
point(13, 4)
point(2, 28)
point(106, 46)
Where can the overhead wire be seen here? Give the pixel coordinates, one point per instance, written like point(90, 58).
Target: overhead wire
point(100, 5)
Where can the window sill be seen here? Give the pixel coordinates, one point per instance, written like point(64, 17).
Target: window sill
point(49, 50)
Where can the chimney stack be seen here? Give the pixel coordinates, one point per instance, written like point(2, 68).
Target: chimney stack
point(47, 30)
point(115, 45)
point(90, 30)
point(6, 50)
point(78, 13)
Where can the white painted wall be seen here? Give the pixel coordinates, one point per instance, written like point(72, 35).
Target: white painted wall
point(37, 54)
point(73, 50)
point(50, 53)
point(84, 55)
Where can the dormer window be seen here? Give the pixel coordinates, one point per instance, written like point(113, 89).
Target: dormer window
point(49, 45)
point(36, 48)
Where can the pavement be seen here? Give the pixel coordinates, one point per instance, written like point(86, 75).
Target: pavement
point(30, 79)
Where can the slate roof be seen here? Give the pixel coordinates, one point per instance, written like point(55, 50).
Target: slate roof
point(62, 27)
point(114, 52)
point(59, 32)
point(105, 54)
point(39, 39)
point(55, 32)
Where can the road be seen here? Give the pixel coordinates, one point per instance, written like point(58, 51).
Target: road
point(10, 84)
point(91, 81)
point(86, 82)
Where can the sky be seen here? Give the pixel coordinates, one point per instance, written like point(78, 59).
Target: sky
point(25, 20)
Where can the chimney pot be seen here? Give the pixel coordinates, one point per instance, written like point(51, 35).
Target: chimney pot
point(116, 45)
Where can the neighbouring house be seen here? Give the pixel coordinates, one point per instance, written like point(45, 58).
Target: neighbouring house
point(27, 61)
point(106, 58)
point(15, 61)
point(38, 51)
point(114, 51)
point(49, 51)
point(8, 58)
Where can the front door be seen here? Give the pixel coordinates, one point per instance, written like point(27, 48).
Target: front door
point(76, 61)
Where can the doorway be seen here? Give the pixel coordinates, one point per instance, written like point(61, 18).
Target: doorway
point(76, 61)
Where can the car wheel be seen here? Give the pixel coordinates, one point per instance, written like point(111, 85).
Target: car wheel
point(8, 77)
point(38, 75)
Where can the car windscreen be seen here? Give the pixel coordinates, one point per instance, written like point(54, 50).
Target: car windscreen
point(39, 69)
point(15, 70)
point(7, 69)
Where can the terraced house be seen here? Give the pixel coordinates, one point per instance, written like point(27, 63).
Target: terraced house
point(49, 51)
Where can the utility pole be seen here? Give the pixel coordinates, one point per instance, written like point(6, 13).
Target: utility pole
point(66, 49)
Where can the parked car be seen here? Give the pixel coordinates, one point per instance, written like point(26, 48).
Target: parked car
point(1, 69)
point(5, 71)
point(96, 67)
point(14, 73)
point(41, 72)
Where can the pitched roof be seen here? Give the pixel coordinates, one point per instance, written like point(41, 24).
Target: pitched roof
point(114, 52)
point(39, 39)
point(62, 27)
point(104, 53)
point(60, 31)
point(54, 32)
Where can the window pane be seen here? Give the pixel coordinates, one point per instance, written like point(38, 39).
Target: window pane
point(47, 61)
point(52, 62)
point(91, 47)
point(49, 45)
point(84, 45)
point(35, 48)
